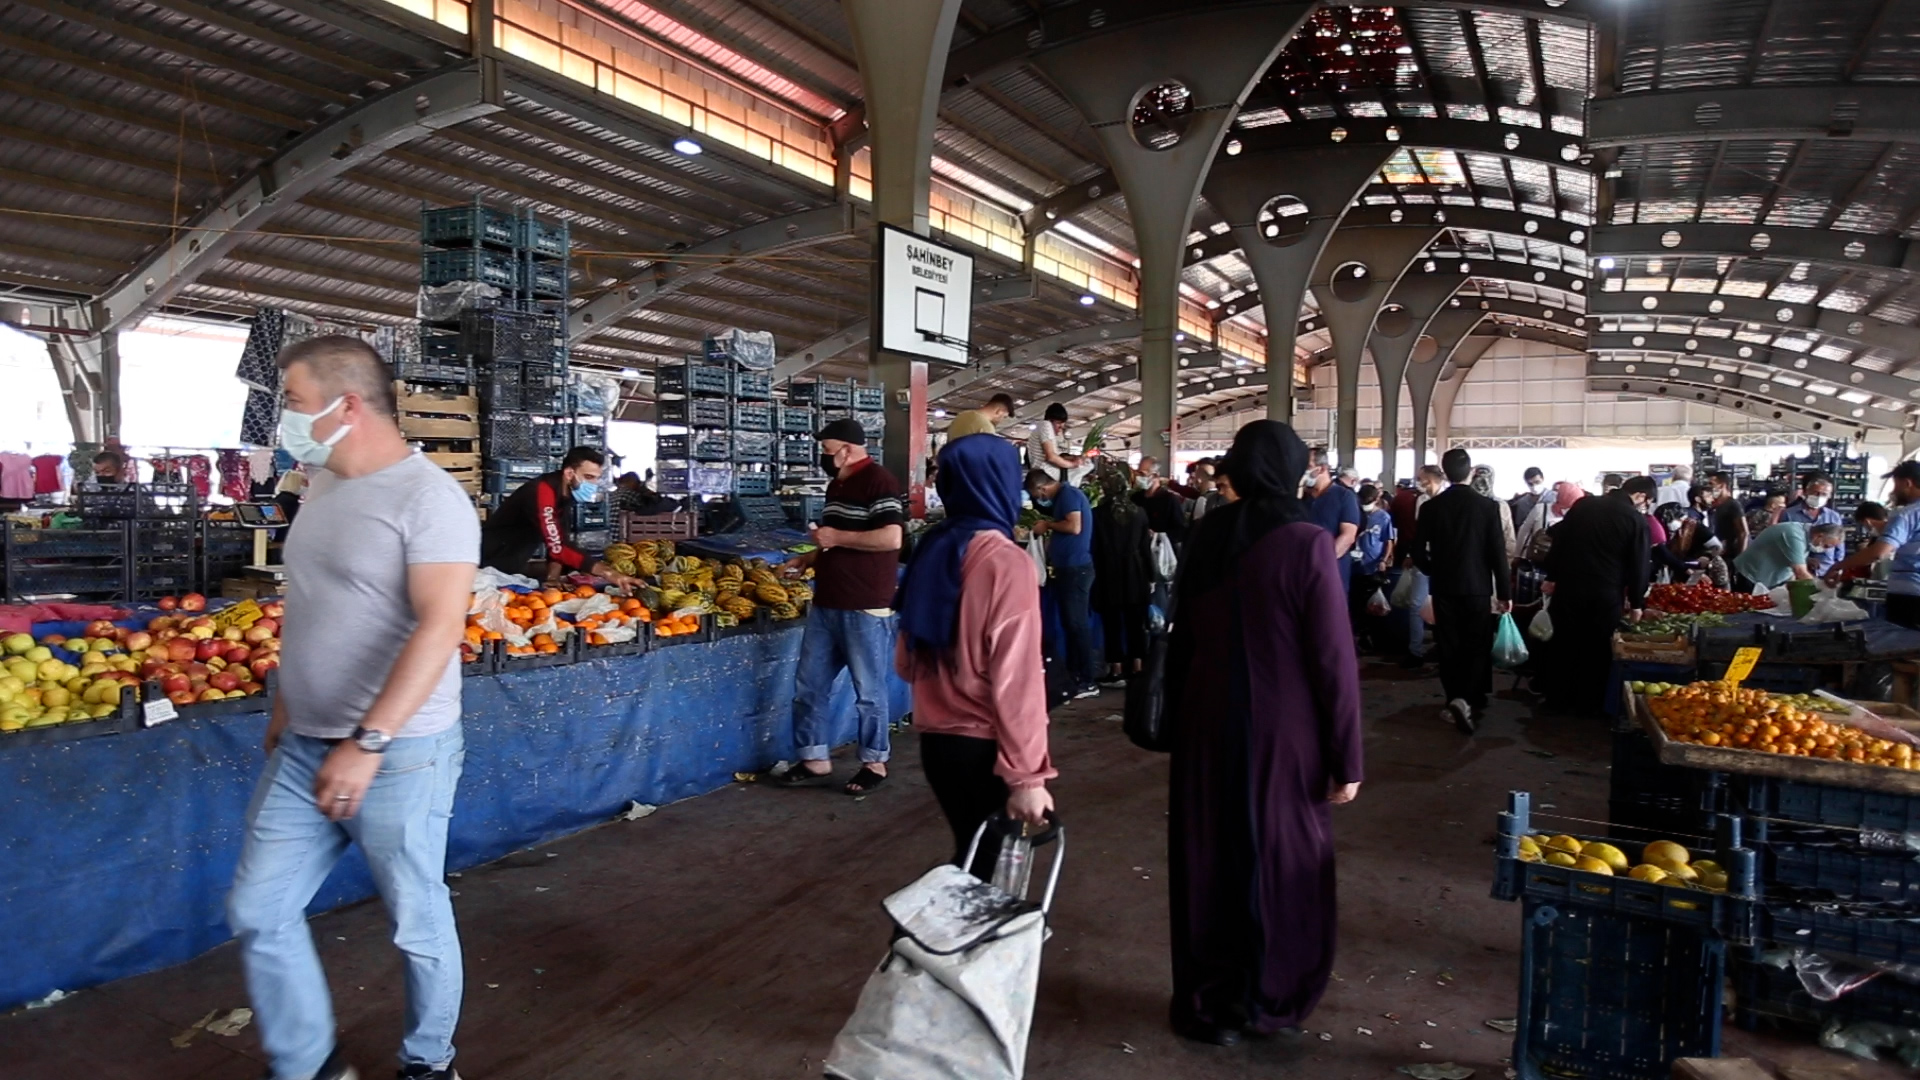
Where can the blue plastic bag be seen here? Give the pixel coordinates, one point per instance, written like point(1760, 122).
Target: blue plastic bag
point(1509, 649)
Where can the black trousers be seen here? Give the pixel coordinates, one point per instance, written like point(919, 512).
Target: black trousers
point(959, 769)
point(1463, 629)
point(1903, 610)
point(1125, 629)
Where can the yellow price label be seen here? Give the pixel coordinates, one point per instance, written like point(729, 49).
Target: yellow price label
point(1742, 666)
point(243, 614)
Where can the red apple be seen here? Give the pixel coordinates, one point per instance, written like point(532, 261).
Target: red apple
point(196, 670)
point(257, 633)
point(210, 694)
point(250, 687)
point(261, 665)
point(272, 625)
point(181, 697)
point(167, 603)
point(193, 601)
point(199, 621)
point(54, 639)
point(175, 683)
point(137, 641)
point(273, 609)
point(159, 623)
point(150, 668)
point(225, 680)
point(125, 678)
point(237, 654)
point(100, 628)
point(208, 649)
point(180, 649)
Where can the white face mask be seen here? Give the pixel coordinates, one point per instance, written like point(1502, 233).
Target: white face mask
point(1536, 486)
point(296, 435)
point(1815, 502)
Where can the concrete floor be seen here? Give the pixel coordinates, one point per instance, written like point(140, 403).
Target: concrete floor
point(728, 936)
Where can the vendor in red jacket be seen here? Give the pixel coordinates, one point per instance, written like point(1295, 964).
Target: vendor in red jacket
point(534, 522)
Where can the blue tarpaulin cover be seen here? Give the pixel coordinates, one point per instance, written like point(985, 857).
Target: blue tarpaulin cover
point(116, 853)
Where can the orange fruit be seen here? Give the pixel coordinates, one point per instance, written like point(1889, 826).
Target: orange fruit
point(554, 596)
point(495, 635)
point(583, 592)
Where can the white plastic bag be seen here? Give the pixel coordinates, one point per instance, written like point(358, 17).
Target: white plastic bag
point(1830, 608)
point(1037, 550)
point(1165, 563)
point(1541, 628)
point(1377, 603)
point(1403, 589)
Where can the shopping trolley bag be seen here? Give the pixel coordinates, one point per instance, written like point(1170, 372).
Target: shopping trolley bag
point(954, 998)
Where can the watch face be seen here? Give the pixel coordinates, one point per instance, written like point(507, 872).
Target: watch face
point(373, 741)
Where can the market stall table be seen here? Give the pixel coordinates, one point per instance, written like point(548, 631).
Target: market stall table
point(119, 850)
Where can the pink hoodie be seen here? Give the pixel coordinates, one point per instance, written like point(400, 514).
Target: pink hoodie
point(994, 686)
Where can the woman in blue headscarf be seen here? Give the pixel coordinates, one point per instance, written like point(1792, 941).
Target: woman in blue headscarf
point(970, 645)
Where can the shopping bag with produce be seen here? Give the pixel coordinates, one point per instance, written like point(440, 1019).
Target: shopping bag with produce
point(1377, 603)
point(1541, 628)
point(1509, 649)
point(1403, 589)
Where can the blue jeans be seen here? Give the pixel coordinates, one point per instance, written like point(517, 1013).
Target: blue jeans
point(1416, 626)
point(863, 645)
point(290, 848)
point(1073, 592)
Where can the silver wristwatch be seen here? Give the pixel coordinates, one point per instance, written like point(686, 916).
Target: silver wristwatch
point(370, 740)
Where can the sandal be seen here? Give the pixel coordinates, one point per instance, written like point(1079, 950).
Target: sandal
point(798, 775)
point(864, 782)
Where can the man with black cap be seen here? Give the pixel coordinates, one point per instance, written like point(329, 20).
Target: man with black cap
point(1900, 541)
point(1043, 446)
point(856, 572)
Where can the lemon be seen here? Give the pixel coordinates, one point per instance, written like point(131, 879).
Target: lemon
point(1527, 843)
point(1557, 857)
point(1592, 865)
point(1676, 869)
point(1650, 874)
point(1665, 849)
point(1530, 856)
point(1714, 882)
point(1564, 843)
point(1606, 853)
point(1706, 866)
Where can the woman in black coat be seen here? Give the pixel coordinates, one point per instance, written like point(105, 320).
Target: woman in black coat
point(1122, 570)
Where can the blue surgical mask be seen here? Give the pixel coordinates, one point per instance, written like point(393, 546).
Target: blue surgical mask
point(296, 435)
point(1043, 504)
point(587, 491)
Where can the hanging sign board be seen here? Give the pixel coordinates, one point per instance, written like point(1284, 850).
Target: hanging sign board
point(1742, 666)
point(926, 298)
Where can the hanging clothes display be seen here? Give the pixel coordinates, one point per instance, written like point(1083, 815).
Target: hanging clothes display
point(49, 474)
point(259, 369)
point(192, 469)
point(16, 477)
point(236, 482)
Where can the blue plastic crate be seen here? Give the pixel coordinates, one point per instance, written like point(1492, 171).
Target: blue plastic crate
point(873, 423)
point(753, 386)
point(869, 398)
point(1820, 804)
point(760, 511)
point(1839, 932)
point(702, 379)
point(752, 416)
point(1646, 797)
point(468, 264)
point(695, 479)
point(748, 350)
point(1765, 991)
point(1609, 995)
point(696, 446)
point(466, 226)
point(823, 395)
point(545, 238)
point(753, 483)
point(544, 278)
point(1840, 871)
point(803, 510)
point(798, 451)
point(696, 412)
point(753, 446)
point(796, 419)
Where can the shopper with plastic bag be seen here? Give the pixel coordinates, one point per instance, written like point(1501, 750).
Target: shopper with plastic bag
point(1597, 571)
point(1462, 548)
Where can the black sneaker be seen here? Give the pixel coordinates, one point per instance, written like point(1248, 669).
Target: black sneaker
point(417, 1071)
point(336, 1067)
point(1086, 692)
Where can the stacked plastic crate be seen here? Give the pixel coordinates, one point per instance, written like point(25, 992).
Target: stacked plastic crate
point(493, 347)
point(720, 407)
point(809, 407)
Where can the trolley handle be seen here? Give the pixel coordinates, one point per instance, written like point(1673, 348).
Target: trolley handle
point(1055, 832)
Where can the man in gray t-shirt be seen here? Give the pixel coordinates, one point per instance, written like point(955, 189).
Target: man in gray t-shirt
point(365, 743)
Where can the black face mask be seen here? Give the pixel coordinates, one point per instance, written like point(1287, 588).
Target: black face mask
point(826, 463)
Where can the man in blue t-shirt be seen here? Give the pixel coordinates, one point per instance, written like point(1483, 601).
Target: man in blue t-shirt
point(1810, 509)
point(1335, 508)
point(1899, 540)
point(1069, 532)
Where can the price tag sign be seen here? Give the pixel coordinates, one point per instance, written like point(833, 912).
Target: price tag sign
point(1742, 666)
point(158, 712)
point(243, 614)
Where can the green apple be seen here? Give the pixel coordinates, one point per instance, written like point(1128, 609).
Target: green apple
point(16, 644)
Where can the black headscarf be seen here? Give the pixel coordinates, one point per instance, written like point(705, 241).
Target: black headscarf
point(1266, 466)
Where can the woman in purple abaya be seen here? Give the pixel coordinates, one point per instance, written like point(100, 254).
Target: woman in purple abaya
point(1264, 711)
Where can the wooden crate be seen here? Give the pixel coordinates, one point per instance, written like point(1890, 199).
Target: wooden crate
point(437, 414)
point(462, 467)
point(1674, 650)
point(1844, 774)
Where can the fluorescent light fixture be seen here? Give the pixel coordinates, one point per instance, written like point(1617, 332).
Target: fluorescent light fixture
point(1086, 299)
point(629, 373)
point(685, 145)
point(1606, 262)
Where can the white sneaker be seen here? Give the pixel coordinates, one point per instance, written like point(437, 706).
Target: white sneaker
point(1086, 692)
point(1461, 714)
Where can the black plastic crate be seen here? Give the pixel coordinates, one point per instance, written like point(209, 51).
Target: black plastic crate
point(1842, 931)
point(822, 395)
point(548, 399)
point(695, 412)
point(693, 379)
point(753, 386)
point(1872, 812)
point(869, 398)
point(1832, 644)
point(501, 392)
point(749, 350)
point(468, 264)
point(28, 544)
point(803, 510)
point(590, 515)
point(1766, 991)
point(90, 582)
point(796, 419)
point(1651, 798)
point(515, 435)
point(1609, 995)
point(156, 500)
point(760, 511)
point(467, 226)
point(1839, 870)
point(545, 238)
point(696, 446)
point(449, 373)
point(503, 477)
point(752, 416)
point(545, 278)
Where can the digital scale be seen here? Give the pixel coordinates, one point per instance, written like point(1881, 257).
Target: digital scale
point(260, 517)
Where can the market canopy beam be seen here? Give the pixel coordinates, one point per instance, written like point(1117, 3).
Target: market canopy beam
point(1802, 365)
point(1773, 314)
point(408, 113)
point(1690, 240)
point(1863, 113)
point(793, 232)
point(1738, 394)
